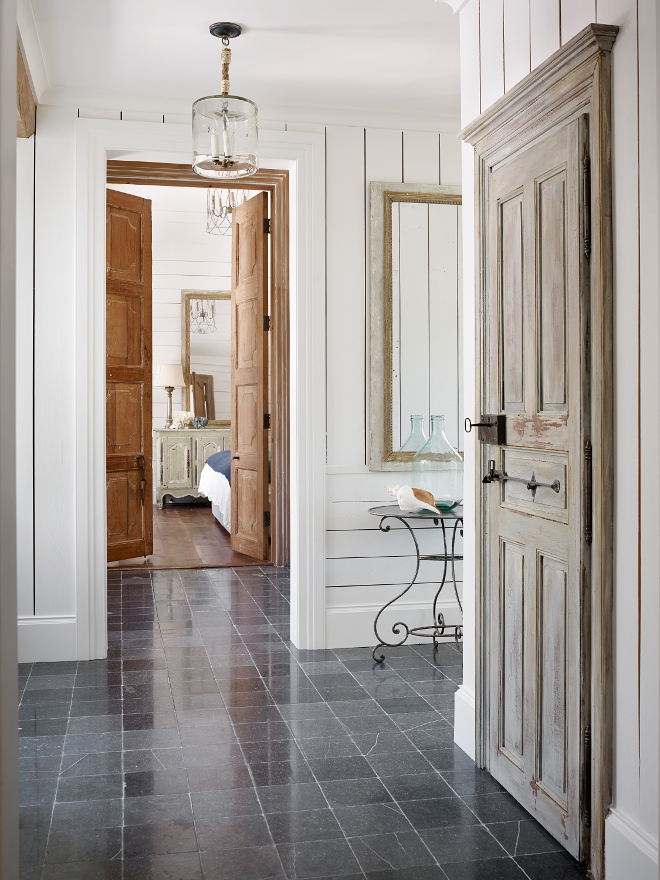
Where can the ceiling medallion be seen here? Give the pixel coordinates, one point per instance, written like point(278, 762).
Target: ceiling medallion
point(225, 128)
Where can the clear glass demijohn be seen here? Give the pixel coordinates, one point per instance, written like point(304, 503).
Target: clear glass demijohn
point(438, 468)
point(417, 437)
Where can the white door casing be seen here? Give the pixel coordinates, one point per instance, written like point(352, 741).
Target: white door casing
point(302, 154)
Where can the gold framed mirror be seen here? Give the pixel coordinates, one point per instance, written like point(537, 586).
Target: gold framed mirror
point(416, 263)
point(206, 352)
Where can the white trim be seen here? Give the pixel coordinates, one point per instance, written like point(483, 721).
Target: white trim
point(33, 54)
point(465, 720)
point(351, 625)
point(303, 155)
point(46, 639)
point(629, 850)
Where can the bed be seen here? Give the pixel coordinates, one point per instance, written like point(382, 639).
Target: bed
point(215, 484)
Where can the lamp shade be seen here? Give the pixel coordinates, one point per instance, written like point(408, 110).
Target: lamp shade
point(169, 376)
point(225, 137)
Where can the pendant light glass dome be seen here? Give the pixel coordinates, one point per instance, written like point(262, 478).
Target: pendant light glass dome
point(225, 127)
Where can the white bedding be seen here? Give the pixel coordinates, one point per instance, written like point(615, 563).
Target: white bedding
point(217, 489)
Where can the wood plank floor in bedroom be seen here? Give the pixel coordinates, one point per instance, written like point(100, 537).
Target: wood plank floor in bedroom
point(187, 536)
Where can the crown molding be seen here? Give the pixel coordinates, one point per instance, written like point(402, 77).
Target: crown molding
point(456, 5)
point(127, 102)
point(30, 43)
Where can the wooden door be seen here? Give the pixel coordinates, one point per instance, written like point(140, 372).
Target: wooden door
point(128, 376)
point(250, 509)
point(537, 556)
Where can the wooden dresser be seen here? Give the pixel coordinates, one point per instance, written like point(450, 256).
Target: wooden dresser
point(180, 456)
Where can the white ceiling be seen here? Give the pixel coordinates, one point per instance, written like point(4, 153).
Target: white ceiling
point(298, 59)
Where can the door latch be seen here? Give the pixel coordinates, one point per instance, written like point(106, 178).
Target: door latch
point(532, 484)
point(143, 477)
point(492, 429)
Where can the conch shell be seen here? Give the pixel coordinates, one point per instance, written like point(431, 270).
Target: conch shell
point(413, 500)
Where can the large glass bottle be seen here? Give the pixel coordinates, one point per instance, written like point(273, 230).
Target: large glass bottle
point(417, 437)
point(438, 468)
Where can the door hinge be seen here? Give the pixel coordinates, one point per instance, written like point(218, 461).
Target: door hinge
point(588, 524)
point(586, 812)
point(267, 322)
point(266, 518)
point(586, 204)
point(267, 225)
point(266, 420)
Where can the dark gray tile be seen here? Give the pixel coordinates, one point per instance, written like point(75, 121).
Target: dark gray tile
point(155, 782)
point(367, 819)
point(423, 872)
point(551, 866)
point(438, 813)
point(95, 724)
point(220, 778)
point(230, 802)
point(83, 844)
point(485, 869)
point(291, 798)
point(383, 743)
point(157, 808)
point(449, 759)
point(37, 791)
point(176, 836)
point(181, 866)
point(84, 871)
point(471, 781)
point(281, 773)
point(90, 788)
point(461, 843)
point(399, 764)
point(329, 747)
point(393, 851)
point(262, 731)
point(87, 814)
point(498, 807)
point(316, 858)
point(417, 786)
point(352, 792)
point(104, 763)
point(252, 863)
point(341, 768)
point(304, 711)
point(142, 760)
point(307, 729)
point(265, 752)
point(87, 743)
point(293, 827)
point(232, 832)
point(524, 838)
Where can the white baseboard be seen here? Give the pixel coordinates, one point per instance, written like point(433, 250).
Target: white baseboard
point(630, 852)
point(465, 721)
point(47, 639)
point(352, 625)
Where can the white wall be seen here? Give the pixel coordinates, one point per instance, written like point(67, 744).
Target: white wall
point(25, 148)
point(364, 566)
point(501, 40)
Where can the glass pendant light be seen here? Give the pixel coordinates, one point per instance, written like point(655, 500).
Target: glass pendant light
point(225, 128)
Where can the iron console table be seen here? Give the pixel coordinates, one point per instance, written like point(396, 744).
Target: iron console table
point(451, 523)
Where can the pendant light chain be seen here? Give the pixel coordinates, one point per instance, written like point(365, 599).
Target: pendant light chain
point(226, 61)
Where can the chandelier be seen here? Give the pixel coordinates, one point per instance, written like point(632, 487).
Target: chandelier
point(225, 139)
point(202, 316)
point(219, 207)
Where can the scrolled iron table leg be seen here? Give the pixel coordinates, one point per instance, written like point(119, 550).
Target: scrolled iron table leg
point(396, 627)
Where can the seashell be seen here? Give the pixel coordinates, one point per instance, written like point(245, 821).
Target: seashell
point(423, 495)
point(408, 501)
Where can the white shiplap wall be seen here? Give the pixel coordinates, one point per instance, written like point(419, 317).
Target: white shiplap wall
point(501, 41)
point(364, 566)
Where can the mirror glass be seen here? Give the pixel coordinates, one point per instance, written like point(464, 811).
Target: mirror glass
point(206, 348)
point(415, 316)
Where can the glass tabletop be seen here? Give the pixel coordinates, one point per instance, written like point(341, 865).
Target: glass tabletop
point(395, 510)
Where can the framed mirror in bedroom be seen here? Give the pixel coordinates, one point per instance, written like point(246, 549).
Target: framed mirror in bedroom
point(416, 315)
point(206, 354)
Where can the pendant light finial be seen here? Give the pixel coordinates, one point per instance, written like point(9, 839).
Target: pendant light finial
point(225, 127)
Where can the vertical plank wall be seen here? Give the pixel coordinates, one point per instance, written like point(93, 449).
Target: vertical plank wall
point(365, 567)
point(501, 41)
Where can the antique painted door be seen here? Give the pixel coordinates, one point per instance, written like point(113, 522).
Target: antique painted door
point(250, 508)
point(537, 555)
point(128, 376)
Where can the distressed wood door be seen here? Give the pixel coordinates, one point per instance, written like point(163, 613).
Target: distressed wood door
point(128, 376)
point(250, 508)
point(537, 555)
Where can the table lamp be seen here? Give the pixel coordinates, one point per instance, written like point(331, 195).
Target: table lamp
point(169, 377)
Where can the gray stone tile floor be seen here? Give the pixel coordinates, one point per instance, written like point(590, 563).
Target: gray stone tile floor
point(207, 746)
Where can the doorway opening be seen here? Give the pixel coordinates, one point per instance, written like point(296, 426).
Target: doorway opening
point(194, 485)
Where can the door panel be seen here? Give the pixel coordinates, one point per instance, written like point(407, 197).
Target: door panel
point(249, 380)
point(535, 317)
point(128, 377)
